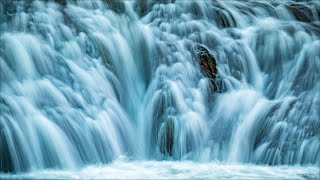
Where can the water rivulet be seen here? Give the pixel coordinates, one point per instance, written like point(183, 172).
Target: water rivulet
point(84, 82)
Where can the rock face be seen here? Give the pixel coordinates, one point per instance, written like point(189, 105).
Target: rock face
point(208, 66)
point(116, 6)
point(303, 12)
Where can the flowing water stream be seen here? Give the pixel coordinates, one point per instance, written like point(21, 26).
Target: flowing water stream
point(84, 83)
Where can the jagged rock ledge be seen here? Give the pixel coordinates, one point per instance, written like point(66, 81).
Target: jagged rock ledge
point(208, 66)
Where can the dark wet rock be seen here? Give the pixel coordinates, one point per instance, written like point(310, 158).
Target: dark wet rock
point(164, 115)
point(143, 7)
point(226, 19)
point(208, 66)
point(167, 140)
point(61, 2)
point(196, 9)
point(116, 6)
point(6, 164)
point(302, 12)
point(222, 16)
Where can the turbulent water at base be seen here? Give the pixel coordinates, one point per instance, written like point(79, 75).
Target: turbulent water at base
point(85, 82)
point(122, 169)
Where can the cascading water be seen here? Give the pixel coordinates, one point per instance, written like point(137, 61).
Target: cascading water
point(84, 82)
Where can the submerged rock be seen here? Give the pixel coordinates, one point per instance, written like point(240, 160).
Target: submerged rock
point(167, 139)
point(303, 12)
point(143, 7)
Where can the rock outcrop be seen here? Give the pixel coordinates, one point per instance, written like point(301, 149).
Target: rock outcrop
point(208, 66)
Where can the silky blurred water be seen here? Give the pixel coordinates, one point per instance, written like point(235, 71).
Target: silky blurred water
point(85, 82)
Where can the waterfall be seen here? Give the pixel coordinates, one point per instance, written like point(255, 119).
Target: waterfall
point(85, 82)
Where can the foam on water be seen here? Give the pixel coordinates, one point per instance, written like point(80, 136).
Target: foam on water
point(122, 169)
